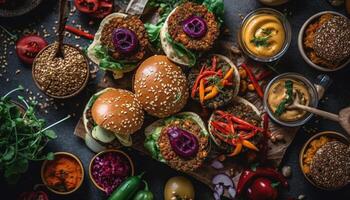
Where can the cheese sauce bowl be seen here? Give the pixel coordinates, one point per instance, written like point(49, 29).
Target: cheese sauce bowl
point(265, 35)
point(305, 86)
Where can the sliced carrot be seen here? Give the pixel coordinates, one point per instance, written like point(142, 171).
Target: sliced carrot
point(228, 74)
point(208, 89)
point(237, 150)
point(214, 92)
point(201, 91)
point(249, 145)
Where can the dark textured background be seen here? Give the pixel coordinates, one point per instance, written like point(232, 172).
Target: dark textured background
point(337, 97)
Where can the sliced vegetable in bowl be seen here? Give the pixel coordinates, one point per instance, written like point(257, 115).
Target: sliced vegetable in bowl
point(216, 83)
point(109, 168)
point(237, 128)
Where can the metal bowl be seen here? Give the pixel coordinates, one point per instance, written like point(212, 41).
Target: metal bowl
point(330, 134)
point(301, 44)
point(24, 7)
point(109, 150)
point(313, 100)
point(64, 154)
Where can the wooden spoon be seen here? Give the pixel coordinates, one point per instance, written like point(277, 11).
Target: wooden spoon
point(343, 118)
point(64, 9)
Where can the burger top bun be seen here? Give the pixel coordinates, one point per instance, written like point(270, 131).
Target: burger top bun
point(118, 111)
point(160, 86)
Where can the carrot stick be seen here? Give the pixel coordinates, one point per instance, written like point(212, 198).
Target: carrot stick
point(237, 150)
point(79, 32)
point(249, 145)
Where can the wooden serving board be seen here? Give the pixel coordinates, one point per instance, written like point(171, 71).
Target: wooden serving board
point(232, 166)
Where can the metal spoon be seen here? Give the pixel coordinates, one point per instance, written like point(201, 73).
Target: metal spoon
point(343, 118)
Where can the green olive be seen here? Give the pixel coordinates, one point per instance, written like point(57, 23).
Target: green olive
point(178, 188)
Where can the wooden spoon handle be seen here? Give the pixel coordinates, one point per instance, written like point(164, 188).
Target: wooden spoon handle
point(63, 16)
point(318, 112)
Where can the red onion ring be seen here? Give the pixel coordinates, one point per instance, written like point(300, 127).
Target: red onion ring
point(194, 26)
point(124, 40)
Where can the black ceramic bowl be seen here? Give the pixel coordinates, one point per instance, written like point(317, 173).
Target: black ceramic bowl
point(13, 8)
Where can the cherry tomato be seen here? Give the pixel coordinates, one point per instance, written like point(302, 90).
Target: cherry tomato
point(28, 47)
point(105, 8)
point(86, 6)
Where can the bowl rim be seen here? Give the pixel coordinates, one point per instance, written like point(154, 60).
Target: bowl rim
point(286, 26)
point(304, 80)
point(334, 134)
point(70, 95)
point(106, 151)
point(301, 46)
point(43, 166)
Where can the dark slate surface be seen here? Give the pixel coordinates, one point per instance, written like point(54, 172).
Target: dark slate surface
point(337, 97)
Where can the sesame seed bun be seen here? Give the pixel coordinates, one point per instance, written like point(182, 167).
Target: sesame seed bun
point(118, 111)
point(160, 86)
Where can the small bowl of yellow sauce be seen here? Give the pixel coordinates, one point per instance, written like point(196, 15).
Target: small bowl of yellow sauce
point(265, 35)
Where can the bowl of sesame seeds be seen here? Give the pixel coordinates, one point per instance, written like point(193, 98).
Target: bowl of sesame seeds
point(324, 160)
point(60, 77)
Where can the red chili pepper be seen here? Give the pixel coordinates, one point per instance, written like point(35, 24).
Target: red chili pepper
point(243, 127)
point(79, 32)
point(222, 138)
point(196, 83)
point(213, 64)
point(263, 75)
point(252, 78)
point(249, 135)
point(218, 126)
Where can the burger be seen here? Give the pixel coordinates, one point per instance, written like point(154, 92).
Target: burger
point(113, 114)
point(237, 128)
point(327, 41)
point(191, 29)
point(330, 166)
point(119, 44)
point(181, 141)
point(214, 82)
point(160, 86)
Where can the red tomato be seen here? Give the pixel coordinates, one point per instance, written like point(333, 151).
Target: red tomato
point(262, 189)
point(105, 8)
point(86, 6)
point(28, 47)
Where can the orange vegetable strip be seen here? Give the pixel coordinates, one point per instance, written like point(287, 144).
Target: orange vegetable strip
point(228, 74)
point(237, 150)
point(249, 145)
point(208, 89)
point(201, 91)
point(212, 94)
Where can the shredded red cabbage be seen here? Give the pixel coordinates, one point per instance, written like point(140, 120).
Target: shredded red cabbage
point(109, 170)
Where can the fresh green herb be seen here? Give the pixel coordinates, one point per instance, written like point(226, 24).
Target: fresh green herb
point(275, 184)
point(266, 31)
point(22, 137)
point(261, 41)
point(107, 62)
point(181, 50)
point(287, 100)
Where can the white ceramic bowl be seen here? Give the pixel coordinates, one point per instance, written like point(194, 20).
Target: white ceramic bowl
point(301, 46)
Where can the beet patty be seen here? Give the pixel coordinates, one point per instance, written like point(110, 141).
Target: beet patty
point(132, 23)
point(182, 13)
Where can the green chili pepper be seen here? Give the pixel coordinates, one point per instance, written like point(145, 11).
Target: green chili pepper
point(127, 189)
point(144, 194)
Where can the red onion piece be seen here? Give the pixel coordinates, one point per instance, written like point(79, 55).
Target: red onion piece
point(232, 192)
point(184, 144)
point(194, 26)
point(124, 40)
point(217, 164)
point(222, 179)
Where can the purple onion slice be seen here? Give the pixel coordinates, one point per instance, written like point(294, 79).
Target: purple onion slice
point(182, 142)
point(194, 26)
point(124, 40)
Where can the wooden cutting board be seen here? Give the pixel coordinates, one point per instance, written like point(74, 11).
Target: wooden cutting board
point(232, 167)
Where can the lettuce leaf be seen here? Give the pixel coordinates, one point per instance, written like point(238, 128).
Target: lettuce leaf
point(216, 7)
point(107, 62)
point(181, 50)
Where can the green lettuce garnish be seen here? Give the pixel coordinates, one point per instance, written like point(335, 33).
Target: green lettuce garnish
point(107, 62)
point(216, 7)
point(181, 50)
